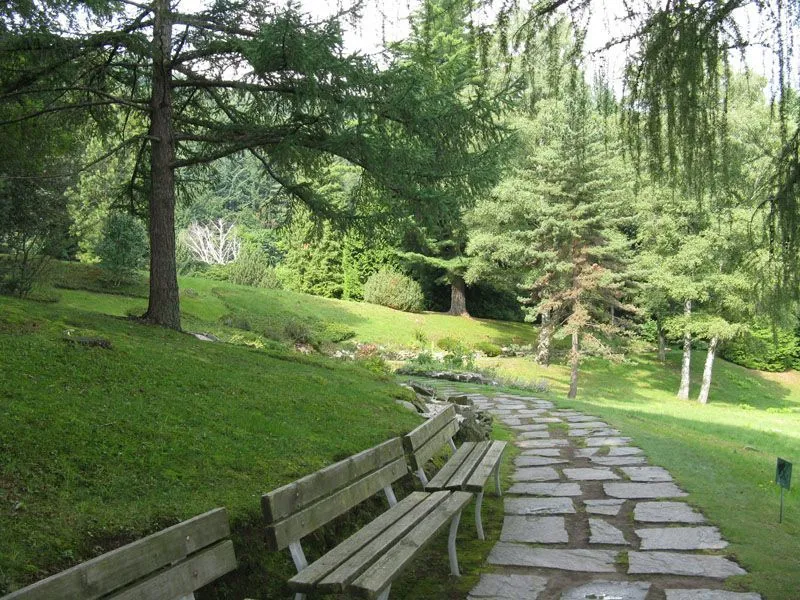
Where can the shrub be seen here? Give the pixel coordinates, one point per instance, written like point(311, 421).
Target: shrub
point(122, 248)
point(449, 344)
point(299, 332)
point(761, 349)
point(395, 290)
point(252, 268)
point(489, 349)
point(336, 332)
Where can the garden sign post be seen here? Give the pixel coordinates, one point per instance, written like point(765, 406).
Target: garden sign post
point(783, 477)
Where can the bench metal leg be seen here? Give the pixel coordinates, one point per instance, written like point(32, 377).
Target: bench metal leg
point(478, 522)
point(451, 545)
point(384, 595)
point(422, 477)
point(300, 563)
point(497, 488)
point(452, 445)
point(390, 497)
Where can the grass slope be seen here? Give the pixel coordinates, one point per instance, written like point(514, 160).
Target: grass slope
point(98, 446)
point(723, 453)
point(205, 303)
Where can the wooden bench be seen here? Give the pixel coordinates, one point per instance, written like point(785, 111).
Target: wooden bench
point(470, 466)
point(168, 565)
point(367, 562)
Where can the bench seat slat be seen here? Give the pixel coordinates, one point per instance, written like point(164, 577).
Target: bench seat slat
point(306, 579)
point(439, 481)
point(359, 562)
point(469, 464)
point(280, 534)
point(388, 566)
point(282, 502)
point(478, 479)
point(104, 574)
point(186, 577)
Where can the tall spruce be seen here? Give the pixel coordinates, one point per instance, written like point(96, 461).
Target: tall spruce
point(554, 221)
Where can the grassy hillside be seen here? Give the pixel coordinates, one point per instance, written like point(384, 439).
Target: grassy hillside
point(207, 304)
point(98, 446)
point(723, 453)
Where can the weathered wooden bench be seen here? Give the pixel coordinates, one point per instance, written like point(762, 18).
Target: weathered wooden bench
point(367, 562)
point(470, 466)
point(168, 565)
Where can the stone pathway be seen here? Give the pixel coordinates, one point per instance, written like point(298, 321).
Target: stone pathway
point(587, 518)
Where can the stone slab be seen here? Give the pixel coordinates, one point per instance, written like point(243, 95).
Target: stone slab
point(531, 427)
point(511, 421)
point(586, 452)
point(546, 489)
point(494, 586)
point(526, 444)
point(676, 563)
point(643, 490)
point(546, 420)
point(618, 590)
point(603, 532)
point(666, 512)
point(519, 555)
point(582, 419)
point(681, 538)
point(538, 461)
point(534, 435)
point(591, 425)
point(534, 530)
point(592, 432)
point(590, 474)
point(624, 451)
point(607, 441)
point(539, 506)
point(610, 507)
point(542, 452)
point(710, 595)
point(615, 461)
point(646, 474)
point(535, 474)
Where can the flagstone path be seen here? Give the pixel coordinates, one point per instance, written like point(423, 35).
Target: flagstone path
point(587, 518)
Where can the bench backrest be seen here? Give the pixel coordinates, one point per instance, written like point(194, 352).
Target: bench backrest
point(300, 507)
point(425, 441)
point(170, 564)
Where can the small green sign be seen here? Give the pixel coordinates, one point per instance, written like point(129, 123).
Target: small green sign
point(783, 473)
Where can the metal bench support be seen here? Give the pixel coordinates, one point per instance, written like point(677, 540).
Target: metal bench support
point(451, 545)
point(300, 563)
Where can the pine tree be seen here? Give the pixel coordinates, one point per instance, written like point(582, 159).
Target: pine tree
point(554, 223)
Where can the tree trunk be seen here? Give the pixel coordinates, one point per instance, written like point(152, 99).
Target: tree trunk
point(573, 363)
point(164, 304)
point(662, 342)
point(458, 297)
point(712, 353)
point(683, 391)
point(545, 336)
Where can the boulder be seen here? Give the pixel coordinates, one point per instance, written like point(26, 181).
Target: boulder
point(476, 426)
point(422, 390)
point(461, 400)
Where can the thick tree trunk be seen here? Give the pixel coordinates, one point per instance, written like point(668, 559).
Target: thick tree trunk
point(545, 336)
point(662, 343)
point(712, 353)
point(573, 364)
point(683, 390)
point(458, 297)
point(164, 305)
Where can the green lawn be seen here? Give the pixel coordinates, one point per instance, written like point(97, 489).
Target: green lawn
point(205, 303)
point(98, 447)
point(101, 446)
point(723, 453)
